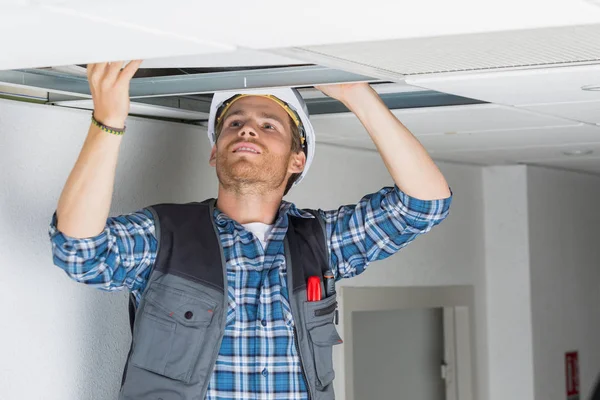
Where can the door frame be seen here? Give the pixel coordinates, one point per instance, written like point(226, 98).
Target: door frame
point(459, 330)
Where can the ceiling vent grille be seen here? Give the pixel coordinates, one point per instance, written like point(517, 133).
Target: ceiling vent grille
point(459, 53)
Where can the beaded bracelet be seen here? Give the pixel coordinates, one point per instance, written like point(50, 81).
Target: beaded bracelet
point(107, 129)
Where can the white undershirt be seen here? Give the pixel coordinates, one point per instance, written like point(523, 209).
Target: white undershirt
point(260, 230)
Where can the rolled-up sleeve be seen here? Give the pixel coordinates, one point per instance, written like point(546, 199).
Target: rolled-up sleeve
point(378, 226)
point(119, 257)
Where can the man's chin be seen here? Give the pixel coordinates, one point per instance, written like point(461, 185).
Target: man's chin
point(246, 174)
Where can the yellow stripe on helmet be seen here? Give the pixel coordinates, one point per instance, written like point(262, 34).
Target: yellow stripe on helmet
point(284, 105)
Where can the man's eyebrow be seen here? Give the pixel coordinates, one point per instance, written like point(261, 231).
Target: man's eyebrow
point(236, 112)
point(273, 117)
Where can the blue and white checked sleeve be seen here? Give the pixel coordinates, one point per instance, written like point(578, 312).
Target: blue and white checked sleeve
point(120, 257)
point(377, 227)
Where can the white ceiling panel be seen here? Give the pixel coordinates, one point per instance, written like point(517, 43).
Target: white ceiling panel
point(476, 141)
point(37, 37)
point(528, 155)
point(569, 137)
point(585, 111)
point(533, 86)
point(551, 156)
point(82, 31)
point(466, 53)
point(271, 23)
point(591, 165)
point(441, 120)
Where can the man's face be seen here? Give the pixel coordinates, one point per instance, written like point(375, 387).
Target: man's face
point(253, 150)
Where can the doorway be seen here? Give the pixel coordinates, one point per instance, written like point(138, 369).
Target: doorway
point(407, 343)
point(400, 353)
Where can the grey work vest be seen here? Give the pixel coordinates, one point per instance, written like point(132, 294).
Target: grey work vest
point(180, 321)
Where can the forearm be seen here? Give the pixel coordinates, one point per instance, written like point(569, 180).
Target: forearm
point(406, 159)
point(84, 204)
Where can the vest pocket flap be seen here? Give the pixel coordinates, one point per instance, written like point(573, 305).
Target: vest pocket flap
point(325, 335)
point(323, 339)
point(186, 309)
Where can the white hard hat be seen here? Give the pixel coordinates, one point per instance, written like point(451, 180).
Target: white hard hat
point(291, 100)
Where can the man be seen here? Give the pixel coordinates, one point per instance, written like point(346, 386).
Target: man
point(234, 298)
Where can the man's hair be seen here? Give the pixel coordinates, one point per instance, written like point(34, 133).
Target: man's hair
point(296, 147)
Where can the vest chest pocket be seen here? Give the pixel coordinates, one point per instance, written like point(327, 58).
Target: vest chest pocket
point(323, 336)
point(170, 332)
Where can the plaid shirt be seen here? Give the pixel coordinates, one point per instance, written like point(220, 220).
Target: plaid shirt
point(258, 358)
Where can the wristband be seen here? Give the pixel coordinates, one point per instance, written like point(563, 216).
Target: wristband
point(107, 129)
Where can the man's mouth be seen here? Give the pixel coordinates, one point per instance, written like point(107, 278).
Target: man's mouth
point(246, 148)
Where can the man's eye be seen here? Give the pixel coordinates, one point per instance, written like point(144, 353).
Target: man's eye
point(268, 126)
point(236, 124)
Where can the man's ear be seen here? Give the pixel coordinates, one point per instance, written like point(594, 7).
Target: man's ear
point(213, 156)
point(297, 163)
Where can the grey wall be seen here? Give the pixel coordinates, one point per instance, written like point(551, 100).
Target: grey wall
point(398, 354)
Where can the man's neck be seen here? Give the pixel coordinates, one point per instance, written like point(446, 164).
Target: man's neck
point(249, 207)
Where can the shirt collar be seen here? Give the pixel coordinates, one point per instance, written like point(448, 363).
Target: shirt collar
point(285, 209)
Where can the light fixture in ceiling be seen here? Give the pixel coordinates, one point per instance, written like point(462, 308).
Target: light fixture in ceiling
point(578, 152)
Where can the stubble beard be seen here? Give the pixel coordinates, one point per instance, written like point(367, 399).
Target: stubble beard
point(248, 176)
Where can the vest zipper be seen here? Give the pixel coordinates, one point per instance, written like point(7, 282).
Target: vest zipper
point(302, 363)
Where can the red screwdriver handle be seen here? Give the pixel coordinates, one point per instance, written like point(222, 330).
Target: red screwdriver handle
point(314, 288)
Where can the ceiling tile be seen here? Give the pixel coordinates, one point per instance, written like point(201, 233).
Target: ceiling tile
point(62, 38)
point(591, 165)
point(272, 25)
point(522, 87)
point(441, 120)
point(468, 53)
point(549, 156)
point(492, 141)
point(512, 139)
point(584, 111)
point(90, 31)
point(529, 155)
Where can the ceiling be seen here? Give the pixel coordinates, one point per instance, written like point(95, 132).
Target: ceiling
point(526, 68)
point(536, 83)
point(534, 116)
point(61, 32)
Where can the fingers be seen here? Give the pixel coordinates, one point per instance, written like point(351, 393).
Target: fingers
point(129, 70)
point(90, 70)
point(95, 72)
point(99, 69)
point(112, 71)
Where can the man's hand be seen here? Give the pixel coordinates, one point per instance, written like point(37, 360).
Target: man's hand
point(109, 84)
point(345, 92)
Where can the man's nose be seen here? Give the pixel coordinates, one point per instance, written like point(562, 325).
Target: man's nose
point(248, 130)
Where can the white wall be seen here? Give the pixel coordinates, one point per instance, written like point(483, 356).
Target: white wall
point(74, 339)
point(510, 352)
point(564, 227)
point(59, 339)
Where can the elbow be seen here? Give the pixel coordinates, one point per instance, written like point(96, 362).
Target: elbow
point(76, 228)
